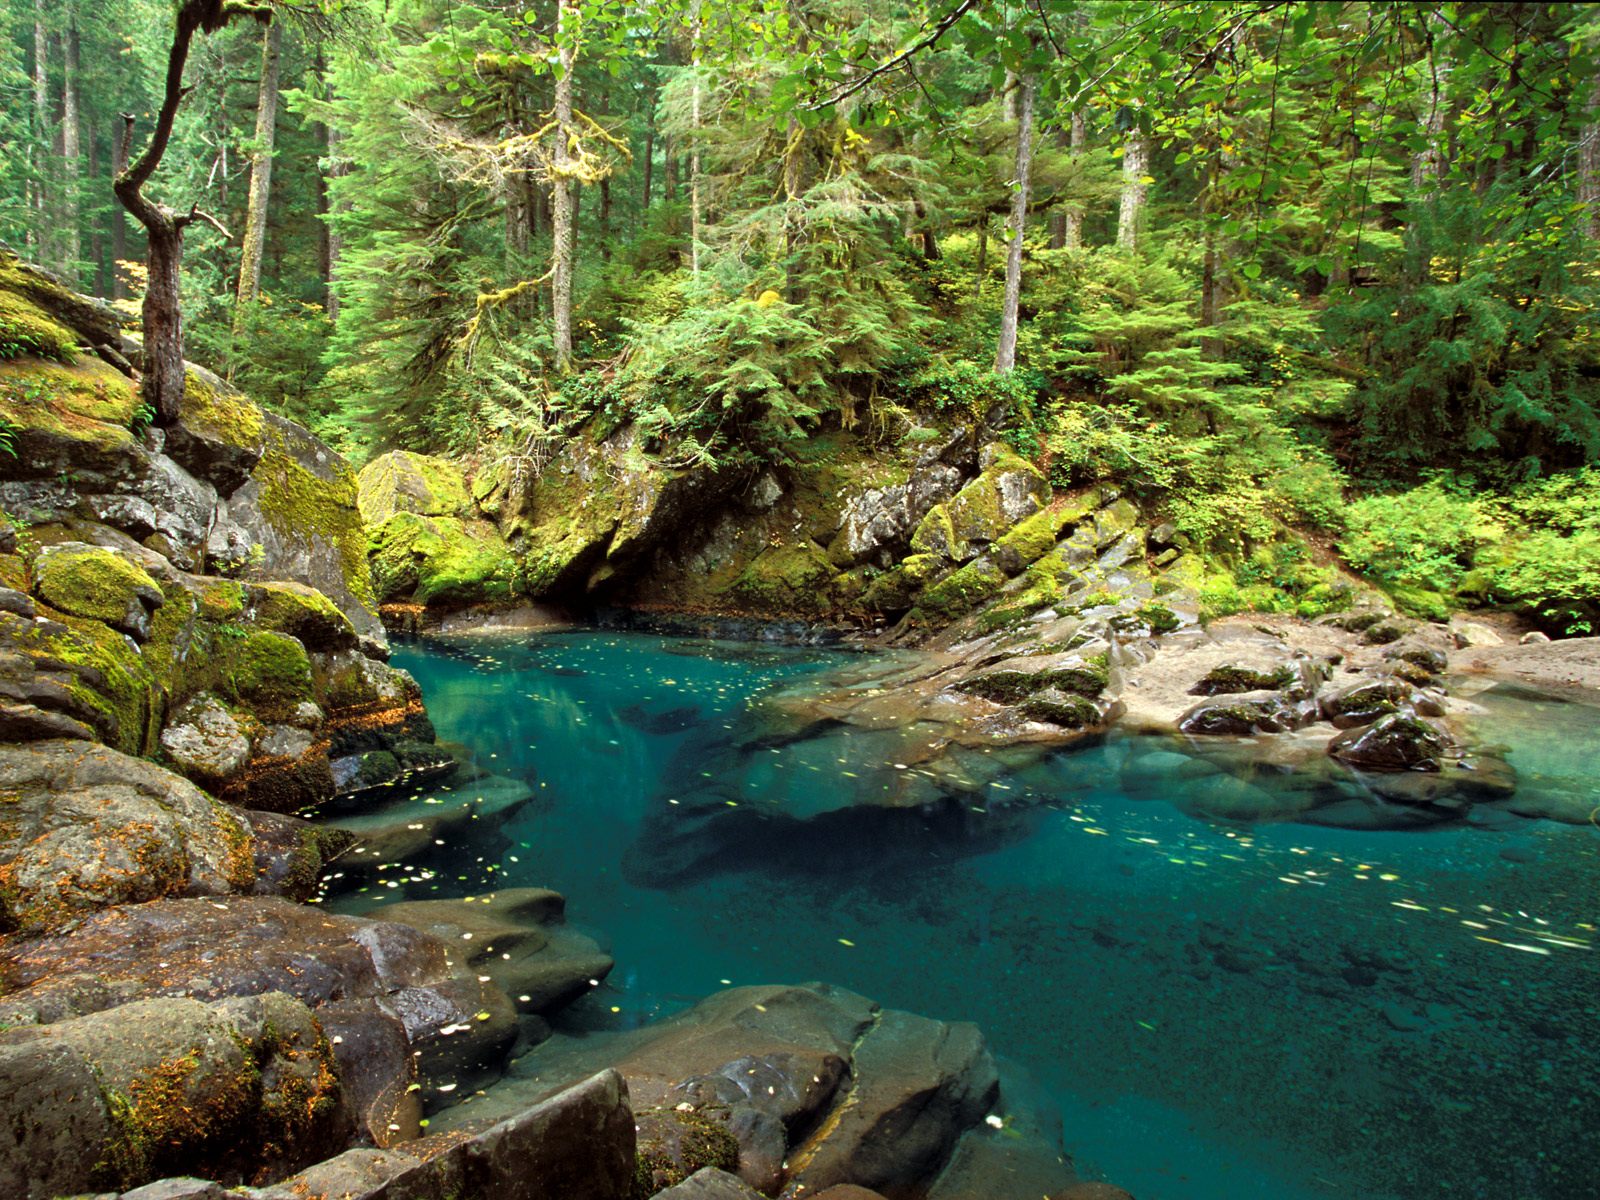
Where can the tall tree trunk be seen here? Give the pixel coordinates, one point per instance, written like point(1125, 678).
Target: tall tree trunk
point(1134, 162)
point(1072, 231)
point(255, 226)
point(71, 156)
point(1589, 161)
point(694, 145)
point(649, 153)
point(119, 219)
point(100, 277)
point(332, 240)
point(561, 208)
point(44, 242)
point(1005, 355)
point(983, 255)
point(605, 219)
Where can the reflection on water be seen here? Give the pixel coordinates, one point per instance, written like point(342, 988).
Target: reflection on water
point(1220, 1009)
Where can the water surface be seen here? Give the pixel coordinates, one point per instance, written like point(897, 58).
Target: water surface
point(1220, 1010)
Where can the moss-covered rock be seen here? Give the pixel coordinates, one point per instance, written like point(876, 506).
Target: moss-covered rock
point(1062, 709)
point(674, 1143)
point(220, 433)
point(99, 584)
point(94, 673)
point(786, 579)
point(963, 590)
point(1008, 489)
point(303, 613)
point(403, 482)
point(83, 827)
point(440, 560)
point(1087, 679)
point(897, 589)
point(1231, 677)
point(66, 417)
point(269, 673)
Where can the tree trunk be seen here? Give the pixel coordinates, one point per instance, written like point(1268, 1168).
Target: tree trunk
point(1005, 355)
point(162, 320)
point(694, 145)
point(983, 255)
point(649, 156)
point(119, 219)
point(1589, 162)
point(332, 240)
point(99, 277)
point(561, 209)
point(1072, 231)
point(162, 385)
point(255, 226)
point(605, 219)
point(71, 156)
point(44, 243)
point(1134, 161)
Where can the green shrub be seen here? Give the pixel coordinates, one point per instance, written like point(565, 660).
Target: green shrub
point(1424, 539)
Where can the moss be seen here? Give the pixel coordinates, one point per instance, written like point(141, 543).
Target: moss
point(301, 612)
point(935, 534)
point(1229, 679)
point(1384, 632)
point(1009, 687)
point(897, 588)
point(267, 672)
point(962, 590)
point(158, 1126)
point(1067, 711)
point(674, 1144)
point(1030, 539)
point(299, 505)
point(1420, 602)
point(401, 481)
point(26, 328)
point(220, 599)
point(220, 415)
point(88, 404)
point(111, 677)
point(786, 579)
point(91, 582)
point(440, 560)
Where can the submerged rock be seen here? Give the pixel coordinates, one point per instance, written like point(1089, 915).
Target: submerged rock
point(1397, 742)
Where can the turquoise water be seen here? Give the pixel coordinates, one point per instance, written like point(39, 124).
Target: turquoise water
point(1284, 1010)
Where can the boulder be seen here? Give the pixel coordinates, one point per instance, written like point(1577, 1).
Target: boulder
point(403, 482)
point(1247, 714)
point(710, 1183)
point(457, 1027)
point(235, 1089)
point(518, 937)
point(817, 1085)
point(1397, 742)
point(98, 584)
point(84, 827)
point(203, 740)
point(295, 518)
point(576, 1145)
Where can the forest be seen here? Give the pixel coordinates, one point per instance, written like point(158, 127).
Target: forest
point(1308, 278)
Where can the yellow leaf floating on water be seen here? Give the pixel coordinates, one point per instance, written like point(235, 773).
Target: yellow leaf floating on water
point(846, 942)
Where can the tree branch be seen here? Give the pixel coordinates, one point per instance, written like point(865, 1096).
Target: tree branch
point(196, 213)
point(942, 27)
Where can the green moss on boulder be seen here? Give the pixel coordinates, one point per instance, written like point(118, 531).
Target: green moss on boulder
point(786, 579)
point(962, 590)
point(403, 482)
point(303, 613)
point(269, 673)
point(897, 588)
point(440, 560)
point(93, 582)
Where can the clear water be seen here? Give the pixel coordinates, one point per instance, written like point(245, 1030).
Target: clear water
point(1282, 1010)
